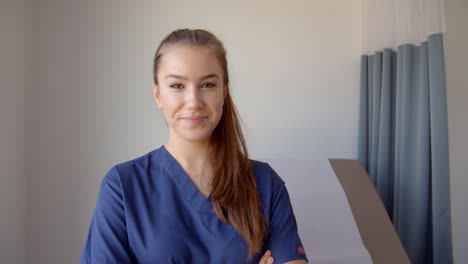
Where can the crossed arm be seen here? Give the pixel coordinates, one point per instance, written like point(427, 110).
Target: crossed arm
point(268, 259)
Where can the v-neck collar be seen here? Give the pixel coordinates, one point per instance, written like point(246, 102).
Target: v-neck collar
point(193, 196)
point(183, 181)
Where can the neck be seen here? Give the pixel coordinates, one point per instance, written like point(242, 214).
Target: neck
point(191, 155)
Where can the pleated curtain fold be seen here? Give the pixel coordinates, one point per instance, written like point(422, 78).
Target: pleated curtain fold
point(403, 144)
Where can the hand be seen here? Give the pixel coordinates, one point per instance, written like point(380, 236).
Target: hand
point(267, 258)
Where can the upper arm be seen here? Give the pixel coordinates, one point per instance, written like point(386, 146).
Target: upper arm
point(107, 240)
point(283, 240)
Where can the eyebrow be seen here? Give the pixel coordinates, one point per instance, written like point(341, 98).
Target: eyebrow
point(184, 78)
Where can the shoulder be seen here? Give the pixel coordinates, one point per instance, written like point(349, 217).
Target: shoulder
point(138, 167)
point(265, 175)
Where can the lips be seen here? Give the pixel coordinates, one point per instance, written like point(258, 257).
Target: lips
point(195, 120)
point(194, 117)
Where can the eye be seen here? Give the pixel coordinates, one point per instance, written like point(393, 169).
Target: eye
point(176, 86)
point(209, 85)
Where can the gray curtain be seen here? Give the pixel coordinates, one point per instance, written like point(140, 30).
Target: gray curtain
point(403, 144)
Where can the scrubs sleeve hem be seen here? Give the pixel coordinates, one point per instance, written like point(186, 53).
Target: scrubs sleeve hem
point(283, 241)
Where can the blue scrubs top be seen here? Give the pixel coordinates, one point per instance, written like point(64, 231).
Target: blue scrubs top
point(149, 211)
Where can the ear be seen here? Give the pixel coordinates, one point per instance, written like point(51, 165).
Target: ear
point(156, 95)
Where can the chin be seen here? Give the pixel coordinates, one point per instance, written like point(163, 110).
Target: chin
point(195, 137)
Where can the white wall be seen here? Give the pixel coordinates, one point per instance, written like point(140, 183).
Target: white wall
point(14, 81)
point(87, 104)
point(457, 95)
point(295, 78)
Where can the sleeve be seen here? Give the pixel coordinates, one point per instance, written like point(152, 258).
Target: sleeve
point(284, 241)
point(107, 240)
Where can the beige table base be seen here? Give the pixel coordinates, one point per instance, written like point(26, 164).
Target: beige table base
point(375, 227)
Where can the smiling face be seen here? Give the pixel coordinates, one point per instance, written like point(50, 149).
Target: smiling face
point(190, 91)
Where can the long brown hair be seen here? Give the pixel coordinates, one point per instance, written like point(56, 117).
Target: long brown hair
point(234, 189)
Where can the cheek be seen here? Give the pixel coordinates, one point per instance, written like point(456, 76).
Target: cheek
point(220, 108)
point(217, 101)
point(171, 103)
point(217, 105)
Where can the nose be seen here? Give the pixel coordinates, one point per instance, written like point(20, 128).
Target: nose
point(194, 99)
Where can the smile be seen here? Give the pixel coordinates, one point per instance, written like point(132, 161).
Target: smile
point(195, 120)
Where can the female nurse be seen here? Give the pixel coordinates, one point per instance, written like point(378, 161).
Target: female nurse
point(198, 198)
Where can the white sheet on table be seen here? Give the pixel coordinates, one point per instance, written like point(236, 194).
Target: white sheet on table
point(326, 224)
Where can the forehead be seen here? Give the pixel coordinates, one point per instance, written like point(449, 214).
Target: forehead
point(190, 61)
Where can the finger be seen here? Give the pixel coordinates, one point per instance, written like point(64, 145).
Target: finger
point(265, 257)
point(271, 260)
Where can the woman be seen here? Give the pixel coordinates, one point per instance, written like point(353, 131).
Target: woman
point(198, 198)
